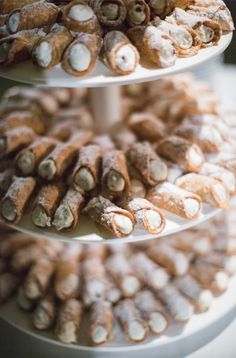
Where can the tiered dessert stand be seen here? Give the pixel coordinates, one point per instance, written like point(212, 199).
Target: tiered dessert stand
point(179, 341)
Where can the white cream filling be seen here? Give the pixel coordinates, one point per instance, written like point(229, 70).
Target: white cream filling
point(181, 265)
point(41, 319)
point(47, 169)
point(81, 12)
point(136, 331)
point(158, 5)
point(205, 33)
point(222, 280)
point(8, 210)
point(157, 322)
point(84, 179)
point(137, 14)
point(183, 38)
point(130, 285)
point(137, 189)
point(32, 290)
point(99, 335)
point(158, 171)
point(80, 57)
point(201, 246)
point(220, 192)
point(67, 333)
point(126, 58)
point(14, 21)
point(26, 163)
point(110, 11)
point(40, 218)
point(43, 54)
point(69, 284)
point(205, 299)
point(191, 207)
point(63, 218)
point(115, 181)
point(4, 50)
point(123, 224)
point(167, 53)
point(195, 158)
point(159, 279)
point(183, 311)
point(154, 219)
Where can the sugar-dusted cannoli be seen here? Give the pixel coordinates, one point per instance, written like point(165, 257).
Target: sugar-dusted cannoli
point(28, 159)
point(164, 7)
point(220, 173)
point(38, 278)
point(221, 244)
point(186, 41)
point(67, 214)
point(175, 200)
point(177, 305)
point(118, 221)
point(123, 274)
point(14, 139)
point(6, 6)
point(138, 12)
point(115, 177)
point(67, 277)
point(15, 242)
point(210, 190)
point(24, 302)
point(61, 158)
point(45, 313)
point(23, 118)
point(32, 16)
point(152, 311)
point(137, 188)
point(80, 57)
point(6, 178)
point(210, 277)
point(114, 294)
point(209, 31)
point(147, 126)
point(119, 54)
point(200, 298)
point(86, 172)
point(175, 262)
point(68, 321)
point(131, 321)
point(8, 285)
point(198, 243)
point(149, 272)
point(78, 16)
point(181, 151)
point(146, 215)
point(110, 13)
point(94, 280)
point(153, 45)
point(100, 326)
point(222, 261)
point(46, 204)
point(16, 198)
point(151, 169)
point(49, 50)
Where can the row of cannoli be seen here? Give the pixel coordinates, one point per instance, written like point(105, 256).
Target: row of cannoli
point(144, 287)
point(118, 32)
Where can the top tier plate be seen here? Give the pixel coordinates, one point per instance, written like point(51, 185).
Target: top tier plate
point(103, 77)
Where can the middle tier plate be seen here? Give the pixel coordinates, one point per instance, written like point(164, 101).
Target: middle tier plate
point(89, 232)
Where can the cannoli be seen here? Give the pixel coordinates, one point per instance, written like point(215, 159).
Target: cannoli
point(210, 277)
point(8, 285)
point(200, 298)
point(146, 215)
point(124, 138)
point(61, 158)
point(185, 40)
point(119, 54)
point(100, 322)
point(225, 176)
point(94, 280)
point(23, 118)
point(153, 45)
point(14, 139)
point(210, 190)
point(104, 141)
point(115, 177)
point(86, 172)
point(118, 221)
point(49, 50)
point(6, 6)
point(175, 200)
point(147, 126)
point(138, 12)
point(65, 127)
point(110, 13)
point(67, 214)
point(177, 305)
point(175, 262)
point(24, 302)
point(174, 171)
point(45, 313)
point(32, 16)
point(38, 278)
point(149, 272)
point(131, 321)
point(6, 178)
point(164, 7)
point(148, 165)
point(28, 159)
point(209, 31)
point(80, 57)
point(122, 273)
point(113, 292)
point(14, 243)
point(182, 152)
point(78, 16)
point(137, 189)
point(16, 198)
point(68, 321)
point(67, 277)
point(152, 311)
point(222, 261)
point(198, 243)
point(46, 204)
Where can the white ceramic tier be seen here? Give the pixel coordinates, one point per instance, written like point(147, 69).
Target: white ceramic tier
point(102, 76)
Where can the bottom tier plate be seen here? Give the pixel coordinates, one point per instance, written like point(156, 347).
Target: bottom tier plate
point(178, 341)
